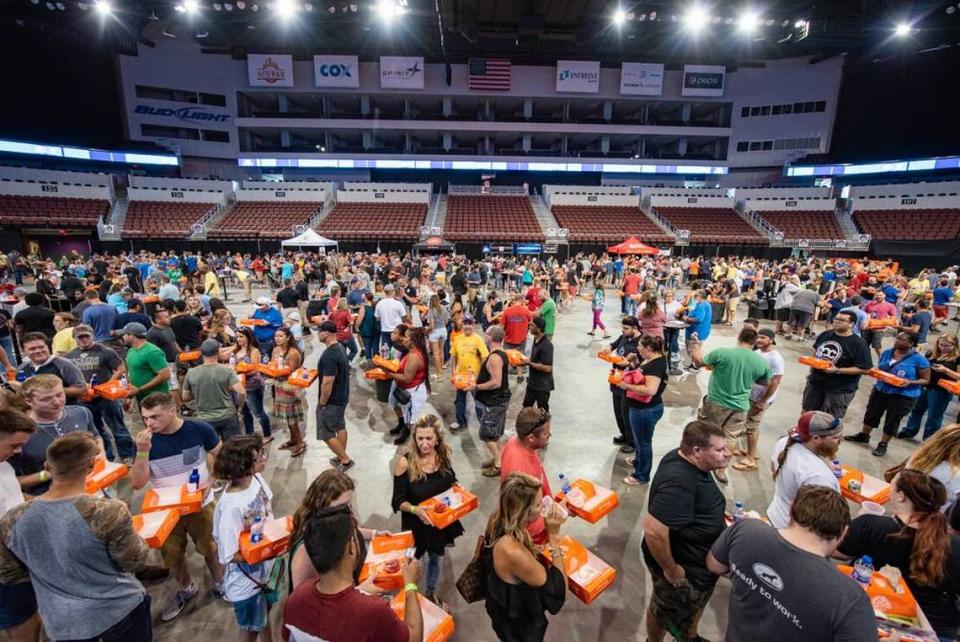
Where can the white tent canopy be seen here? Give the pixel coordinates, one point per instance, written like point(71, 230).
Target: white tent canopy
point(309, 238)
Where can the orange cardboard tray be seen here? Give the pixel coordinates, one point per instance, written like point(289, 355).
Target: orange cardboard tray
point(151, 299)
point(462, 502)
point(950, 386)
point(303, 377)
point(463, 380)
point(154, 528)
point(615, 378)
point(597, 501)
point(612, 357)
point(187, 357)
point(112, 390)
point(879, 324)
point(253, 323)
point(271, 370)
point(515, 357)
point(275, 542)
point(587, 575)
point(887, 600)
point(243, 367)
point(376, 374)
point(391, 365)
point(386, 558)
point(105, 474)
point(872, 489)
point(173, 497)
point(816, 364)
point(886, 377)
point(438, 625)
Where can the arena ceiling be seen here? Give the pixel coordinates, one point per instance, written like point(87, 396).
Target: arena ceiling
point(526, 31)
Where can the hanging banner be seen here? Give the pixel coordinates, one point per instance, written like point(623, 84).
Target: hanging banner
point(270, 70)
point(703, 80)
point(336, 71)
point(641, 79)
point(578, 76)
point(401, 72)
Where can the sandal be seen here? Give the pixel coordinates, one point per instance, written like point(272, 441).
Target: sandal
point(745, 465)
point(739, 452)
point(493, 471)
point(267, 439)
point(287, 445)
point(298, 449)
point(630, 480)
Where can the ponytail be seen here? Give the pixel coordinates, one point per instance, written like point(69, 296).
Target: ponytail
point(782, 457)
point(931, 540)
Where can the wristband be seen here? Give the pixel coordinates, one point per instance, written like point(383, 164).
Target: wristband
point(412, 509)
point(143, 454)
point(410, 587)
point(43, 476)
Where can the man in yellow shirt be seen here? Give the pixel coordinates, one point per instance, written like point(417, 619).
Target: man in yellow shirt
point(211, 284)
point(467, 352)
point(918, 287)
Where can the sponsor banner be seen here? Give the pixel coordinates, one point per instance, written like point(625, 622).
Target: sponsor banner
point(336, 71)
point(704, 80)
point(270, 70)
point(578, 76)
point(189, 114)
point(401, 72)
point(641, 79)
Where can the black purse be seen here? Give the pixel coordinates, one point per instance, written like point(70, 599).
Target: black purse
point(401, 395)
point(472, 584)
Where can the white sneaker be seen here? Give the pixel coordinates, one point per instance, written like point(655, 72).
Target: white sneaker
point(455, 426)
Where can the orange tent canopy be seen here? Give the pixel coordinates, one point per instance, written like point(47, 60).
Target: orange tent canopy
point(632, 246)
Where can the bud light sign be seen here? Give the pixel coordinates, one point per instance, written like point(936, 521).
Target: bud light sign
point(336, 71)
point(188, 114)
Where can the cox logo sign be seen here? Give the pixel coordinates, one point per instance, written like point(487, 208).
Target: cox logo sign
point(334, 71)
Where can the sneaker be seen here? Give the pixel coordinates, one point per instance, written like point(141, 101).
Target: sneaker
point(858, 438)
point(178, 602)
point(347, 466)
point(455, 426)
point(334, 461)
point(880, 450)
point(219, 592)
point(675, 372)
point(627, 449)
point(620, 440)
point(396, 430)
point(401, 438)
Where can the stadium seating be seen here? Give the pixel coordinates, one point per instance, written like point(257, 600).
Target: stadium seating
point(805, 224)
point(712, 225)
point(263, 219)
point(371, 221)
point(909, 225)
point(158, 219)
point(608, 224)
point(43, 211)
point(491, 218)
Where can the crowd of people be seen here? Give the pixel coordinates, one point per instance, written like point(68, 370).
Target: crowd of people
point(200, 400)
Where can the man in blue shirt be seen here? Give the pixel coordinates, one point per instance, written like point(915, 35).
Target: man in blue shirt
point(99, 315)
point(942, 294)
point(698, 320)
point(190, 261)
point(264, 333)
point(918, 324)
point(862, 317)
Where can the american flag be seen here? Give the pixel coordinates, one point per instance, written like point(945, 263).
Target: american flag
point(489, 73)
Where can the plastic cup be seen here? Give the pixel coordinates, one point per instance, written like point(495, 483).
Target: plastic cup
point(871, 508)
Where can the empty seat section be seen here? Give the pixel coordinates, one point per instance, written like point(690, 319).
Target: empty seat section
point(371, 221)
point(909, 225)
point(805, 224)
point(44, 211)
point(263, 219)
point(714, 225)
point(491, 218)
point(606, 224)
point(162, 219)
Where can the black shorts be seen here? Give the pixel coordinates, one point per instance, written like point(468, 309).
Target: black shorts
point(330, 421)
point(891, 407)
point(873, 338)
point(800, 318)
point(783, 314)
point(538, 398)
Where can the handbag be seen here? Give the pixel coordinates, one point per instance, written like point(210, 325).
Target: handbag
point(273, 586)
point(893, 471)
point(472, 584)
point(401, 395)
point(635, 378)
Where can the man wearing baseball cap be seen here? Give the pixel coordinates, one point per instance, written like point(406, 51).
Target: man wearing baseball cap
point(802, 458)
point(541, 367)
point(264, 333)
point(761, 396)
point(146, 363)
point(217, 389)
point(467, 352)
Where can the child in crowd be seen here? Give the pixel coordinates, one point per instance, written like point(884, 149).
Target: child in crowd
point(598, 299)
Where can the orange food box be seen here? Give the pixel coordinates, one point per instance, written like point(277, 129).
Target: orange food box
point(391, 365)
point(105, 474)
point(89, 395)
point(386, 557)
point(172, 497)
point(186, 357)
point(271, 370)
point(871, 489)
point(886, 377)
point(592, 503)
point(463, 380)
point(886, 599)
point(878, 324)
point(615, 378)
point(612, 357)
point(253, 323)
point(303, 377)
point(515, 357)
point(153, 298)
point(112, 390)
point(816, 364)
point(376, 374)
point(587, 575)
point(449, 506)
point(154, 528)
point(437, 624)
point(276, 541)
point(950, 386)
point(243, 367)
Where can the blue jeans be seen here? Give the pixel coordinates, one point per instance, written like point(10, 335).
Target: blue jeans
point(631, 305)
point(254, 405)
point(642, 423)
point(434, 563)
point(351, 346)
point(672, 339)
point(933, 402)
point(108, 417)
point(460, 407)
point(371, 345)
point(7, 344)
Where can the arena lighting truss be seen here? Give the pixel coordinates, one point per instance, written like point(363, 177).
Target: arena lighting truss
point(883, 167)
point(478, 165)
point(85, 154)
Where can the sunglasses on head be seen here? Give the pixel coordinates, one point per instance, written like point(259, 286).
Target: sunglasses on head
point(544, 418)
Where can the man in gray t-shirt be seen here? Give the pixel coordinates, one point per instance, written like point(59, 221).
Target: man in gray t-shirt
point(801, 310)
point(784, 586)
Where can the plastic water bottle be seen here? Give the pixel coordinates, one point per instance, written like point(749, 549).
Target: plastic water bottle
point(385, 351)
point(837, 469)
point(256, 529)
point(93, 380)
point(565, 484)
point(863, 569)
point(193, 484)
point(233, 361)
point(738, 512)
point(123, 382)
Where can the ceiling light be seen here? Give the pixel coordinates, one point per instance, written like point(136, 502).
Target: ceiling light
point(227, 6)
point(308, 6)
point(903, 30)
point(200, 35)
point(748, 22)
point(217, 6)
point(653, 15)
point(255, 8)
point(285, 9)
point(619, 17)
point(51, 7)
point(695, 19)
point(388, 9)
point(35, 2)
point(799, 24)
point(241, 5)
point(61, 6)
point(103, 7)
point(191, 6)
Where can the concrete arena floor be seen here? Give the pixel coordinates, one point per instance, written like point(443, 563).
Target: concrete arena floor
point(583, 425)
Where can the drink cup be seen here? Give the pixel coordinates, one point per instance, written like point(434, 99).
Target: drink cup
point(871, 508)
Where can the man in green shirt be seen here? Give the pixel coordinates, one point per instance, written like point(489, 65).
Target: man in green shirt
point(146, 363)
point(548, 310)
point(733, 373)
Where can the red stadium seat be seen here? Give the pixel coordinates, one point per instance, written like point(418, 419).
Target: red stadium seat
point(713, 225)
point(805, 224)
point(607, 224)
point(491, 218)
point(263, 219)
point(909, 225)
point(161, 219)
point(369, 221)
point(51, 211)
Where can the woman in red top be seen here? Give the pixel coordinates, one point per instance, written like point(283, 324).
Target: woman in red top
point(258, 268)
point(342, 318)
point(413, 378)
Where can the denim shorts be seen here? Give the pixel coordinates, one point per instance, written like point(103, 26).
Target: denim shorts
point(251, 613)
point(17, 604)
point(437, 336)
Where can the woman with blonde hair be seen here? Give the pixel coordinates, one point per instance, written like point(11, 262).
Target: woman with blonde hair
point(933, 400)
point(519, 588)
point(219, 328)
point(424, 470)
point(63, 341)
point(939, 457)
point(437, 320)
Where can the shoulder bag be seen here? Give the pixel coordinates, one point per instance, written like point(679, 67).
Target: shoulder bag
point(472, 584)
